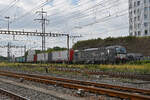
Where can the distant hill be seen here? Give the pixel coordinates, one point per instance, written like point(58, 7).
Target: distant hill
point(133, 44)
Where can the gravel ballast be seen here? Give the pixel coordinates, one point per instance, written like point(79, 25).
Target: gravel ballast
point(27, 93)
point(93, 78)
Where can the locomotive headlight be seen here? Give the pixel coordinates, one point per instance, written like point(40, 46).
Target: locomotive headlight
point(108, 51)
point(121, 56)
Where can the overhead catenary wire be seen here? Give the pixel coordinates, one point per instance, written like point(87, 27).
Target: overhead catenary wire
point(33, 9)
point(26, 14)
point(106, 0)
point(106, 18)
point(9, 6)
point(30, 13)
point(79, 5)
point(77, 17)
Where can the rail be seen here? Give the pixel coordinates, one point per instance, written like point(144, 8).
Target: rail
point(98, 72)
point(111, 91)
point(13, 96)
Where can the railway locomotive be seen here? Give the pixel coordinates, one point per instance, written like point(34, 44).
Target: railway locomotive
point(102, 55)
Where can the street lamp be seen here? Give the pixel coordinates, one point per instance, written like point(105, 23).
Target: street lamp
point(7, 17)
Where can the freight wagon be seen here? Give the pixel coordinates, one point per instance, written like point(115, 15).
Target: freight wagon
point(20, 59)
point(62, 56)
point(109, 54)
point(44, 57)
point(30, 58)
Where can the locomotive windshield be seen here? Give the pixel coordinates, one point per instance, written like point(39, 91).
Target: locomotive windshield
point(121, 50)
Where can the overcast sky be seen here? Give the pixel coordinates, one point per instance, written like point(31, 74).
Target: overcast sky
point(89, 18)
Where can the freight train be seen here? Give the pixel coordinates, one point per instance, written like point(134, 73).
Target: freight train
point(104, 55)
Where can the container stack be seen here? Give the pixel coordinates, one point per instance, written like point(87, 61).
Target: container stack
point(30, 56)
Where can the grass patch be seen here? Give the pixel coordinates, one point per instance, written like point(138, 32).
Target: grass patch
point(142, 68)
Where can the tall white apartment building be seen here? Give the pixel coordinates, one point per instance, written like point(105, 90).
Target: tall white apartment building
point(139, 17)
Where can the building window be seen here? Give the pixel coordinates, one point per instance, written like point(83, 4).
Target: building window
point(145, 16)
point(131, 34)
point(131, 13)
point(145, 1)
point(138, 11)
point(138, 3)
point(134, 11)
point(130, 27)
point(134, 4)
point(135, 26)
point(135, 34)
point(139, 33)
point(130, 6)
point(139, 25)
point(138, 18)
point(145, 9)
point(145, 24)
point(131, 20)
point(134, 18)
point(146, 32)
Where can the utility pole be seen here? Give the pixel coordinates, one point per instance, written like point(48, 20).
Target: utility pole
point(8, 25)
point(7, 17)
point(24, 49)
point(43, 23)
point(68, 46)
point(25, 52)
point(8, 51)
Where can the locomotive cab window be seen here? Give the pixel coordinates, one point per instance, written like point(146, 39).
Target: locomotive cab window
point(121, 50)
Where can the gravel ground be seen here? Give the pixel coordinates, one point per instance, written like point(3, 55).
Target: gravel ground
point(3, 97)
point(86, 96)
point(25, 92)
point(93, 78)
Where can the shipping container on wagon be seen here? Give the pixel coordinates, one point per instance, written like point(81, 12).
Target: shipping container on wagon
point(49, 57)
point(30, 58)
point(42, 57)
point(71, 53)
point(59, 56)
point(35, 58)
point(20, 59)
point(31, 52)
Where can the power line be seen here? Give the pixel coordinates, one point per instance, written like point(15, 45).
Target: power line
point(33, 10)
point(10, 4)
point(4, 11)
point(84, 11)
point(79, 5)
point(28, 12)
point(43, 22)
point(89, 13)
point(104, 19)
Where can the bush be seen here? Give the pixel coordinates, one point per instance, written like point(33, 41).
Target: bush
point(139, 62)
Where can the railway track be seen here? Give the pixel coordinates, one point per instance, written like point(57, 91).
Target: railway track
point(105, 89)
point(12, 96)
point(98, 72)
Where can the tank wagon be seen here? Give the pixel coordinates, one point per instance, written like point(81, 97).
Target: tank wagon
point(109, 54)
